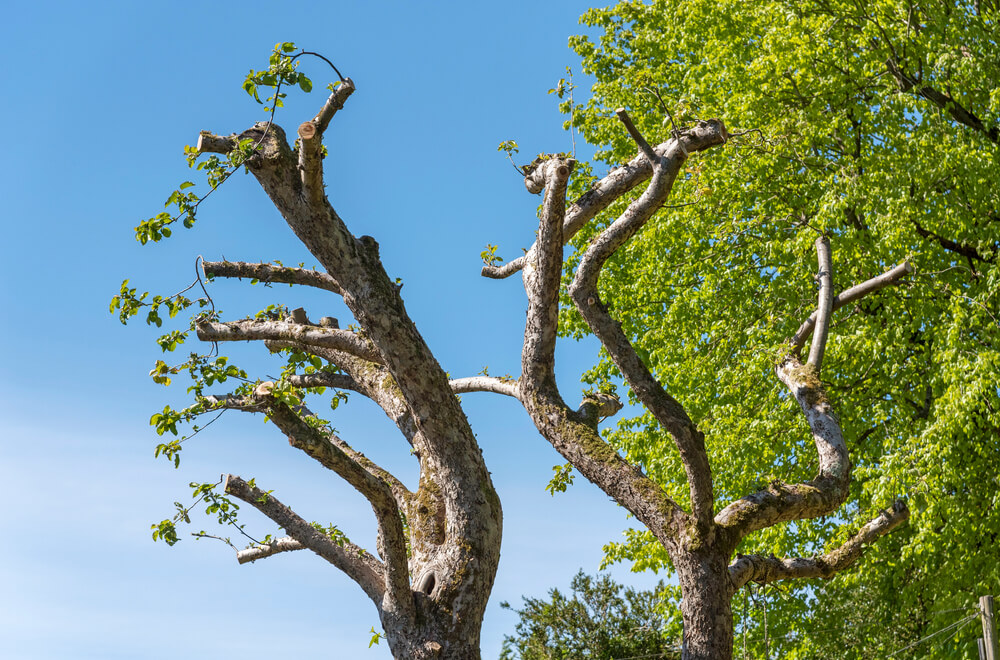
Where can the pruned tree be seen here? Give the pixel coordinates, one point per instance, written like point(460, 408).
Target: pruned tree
point(438, 545)
point(701, 540)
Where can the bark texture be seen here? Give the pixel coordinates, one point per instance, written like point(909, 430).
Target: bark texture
point(701, 543)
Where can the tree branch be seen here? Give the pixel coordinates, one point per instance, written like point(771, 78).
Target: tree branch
point(542, 280)
point(311, 142)
point(484, 384)
point(964, 249)
point(332, 453)
point(603, 194)
point(761, 569)
point(284, 544)
point(824, 307)
point(270, 273)
point(943, 101)
point(215, 144)
point(359, 565)
point(850, 295)
point(781, 502)
point(583, 290)
point(299, 334)
point(326, 379)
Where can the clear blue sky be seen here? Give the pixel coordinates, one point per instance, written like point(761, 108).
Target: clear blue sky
point(101, 98)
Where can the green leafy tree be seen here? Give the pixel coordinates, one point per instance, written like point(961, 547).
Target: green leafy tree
point(599, 620)
point(874, 124)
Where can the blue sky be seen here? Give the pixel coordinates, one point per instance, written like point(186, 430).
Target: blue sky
point(102, 97)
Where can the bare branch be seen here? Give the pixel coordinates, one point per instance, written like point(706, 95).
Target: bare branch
point(325, 379)
point(299, 334)
point(215, 144)
point(311, 142)
point(333, 103)
point(943, 101)
point(271, 273)
point(856, 292)
point(359, 565)
point(761, 569)
point(583, 290)
point(824, 307)
point(484, 384)
point(542, 280)
point(284, 544)
point(781, 502)
point(379, 493)
point(608, 190)
point(640, 141)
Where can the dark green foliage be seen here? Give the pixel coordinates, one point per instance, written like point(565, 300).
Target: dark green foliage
point(601, 620)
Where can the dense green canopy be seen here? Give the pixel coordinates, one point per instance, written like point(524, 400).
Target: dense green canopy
point(877, 124)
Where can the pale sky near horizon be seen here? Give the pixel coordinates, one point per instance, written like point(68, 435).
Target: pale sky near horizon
point(102, 97)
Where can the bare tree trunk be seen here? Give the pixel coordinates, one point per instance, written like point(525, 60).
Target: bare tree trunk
point(705, 605)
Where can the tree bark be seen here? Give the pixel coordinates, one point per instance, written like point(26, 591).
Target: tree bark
point(705, 604)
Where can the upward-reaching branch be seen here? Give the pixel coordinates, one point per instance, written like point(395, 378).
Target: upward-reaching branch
point(311, 142)
point(781, 502)
point(542, 277)
point(583, 290)
point(825, 305)
point(360, 566)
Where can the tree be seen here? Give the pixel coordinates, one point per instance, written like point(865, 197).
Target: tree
point(602, 620)
point(874, 123)
point(438, 546)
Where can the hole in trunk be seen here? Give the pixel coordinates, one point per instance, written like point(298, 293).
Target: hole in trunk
point(427, 583)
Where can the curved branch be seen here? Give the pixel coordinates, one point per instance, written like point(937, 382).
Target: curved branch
point(781, 502)
point(583, 290)
point(300, 334)
point(824, 307)
point(761, 569)
point(270, 273)
point(359, 565)
point(603, 194)
point(541, 282)
point(334, 455)
point(856, 292)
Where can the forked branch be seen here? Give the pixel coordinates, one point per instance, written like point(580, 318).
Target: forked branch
point(583, 290)
point(605, 192)
point(359, 565)
point(850, 295)
point(781, 502)
point(763, 569)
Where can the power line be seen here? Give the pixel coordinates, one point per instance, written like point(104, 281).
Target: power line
point(957, 624)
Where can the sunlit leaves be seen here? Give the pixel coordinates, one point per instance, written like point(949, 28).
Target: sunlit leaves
point(281, 70)
point(709, 292)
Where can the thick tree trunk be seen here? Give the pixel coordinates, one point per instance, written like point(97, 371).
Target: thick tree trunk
point(438, 634)
point(705, 605)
